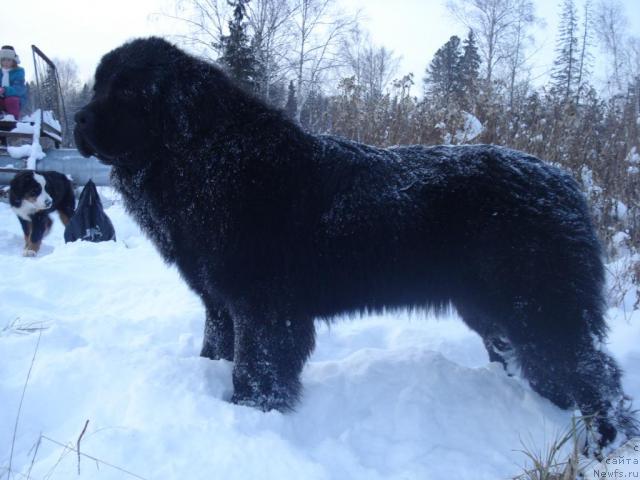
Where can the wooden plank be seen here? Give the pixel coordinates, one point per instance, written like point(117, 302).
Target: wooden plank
point(50, 129)
point(15, 134)
point(7, 125)
point(11, 170)
point(49, 132)
point(46, 131)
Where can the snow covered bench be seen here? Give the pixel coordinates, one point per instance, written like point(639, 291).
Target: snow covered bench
point(44, 122)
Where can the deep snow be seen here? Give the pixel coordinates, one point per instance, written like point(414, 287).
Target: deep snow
point(395, 396)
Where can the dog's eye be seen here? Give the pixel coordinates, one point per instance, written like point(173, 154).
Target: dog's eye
point(126, 94)
point(35, 192)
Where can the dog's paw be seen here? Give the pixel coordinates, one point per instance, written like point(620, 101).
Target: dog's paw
point(264, 403)
point(27, 252)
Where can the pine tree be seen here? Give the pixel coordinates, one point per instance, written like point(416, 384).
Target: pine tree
point(585, 58)
point(291, 108)
point(260, 80)
point(314, 113)
point(566, 69)
point(443, 76)
point(469, 72)
point(237, 56)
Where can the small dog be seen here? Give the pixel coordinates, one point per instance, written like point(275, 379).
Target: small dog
point(33, 196)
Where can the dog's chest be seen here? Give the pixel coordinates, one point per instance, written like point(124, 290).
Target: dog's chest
point(148, 212)
point(25, 210)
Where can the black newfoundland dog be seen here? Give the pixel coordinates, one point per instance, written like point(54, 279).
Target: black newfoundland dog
point(273, 227)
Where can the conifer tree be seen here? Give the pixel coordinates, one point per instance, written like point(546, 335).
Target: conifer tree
point(443, 76)
point(566, 69)
point(469, 72)
point(585, 57)
point(237, 56)
point(291, 108)
point(260, 81)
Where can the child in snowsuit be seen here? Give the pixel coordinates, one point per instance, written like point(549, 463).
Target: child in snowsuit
point(13, 91)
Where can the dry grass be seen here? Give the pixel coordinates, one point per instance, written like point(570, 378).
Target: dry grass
point(8, 471)
point(551, 463)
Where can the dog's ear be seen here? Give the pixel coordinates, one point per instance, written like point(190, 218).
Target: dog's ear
point(17, 186)
point(14, 199)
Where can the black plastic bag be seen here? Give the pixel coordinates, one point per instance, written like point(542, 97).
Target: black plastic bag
point(89, 222)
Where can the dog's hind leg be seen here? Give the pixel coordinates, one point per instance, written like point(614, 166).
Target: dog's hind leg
point(564, 361)
point(598, 393)
point(218, 334)
point(493, 336)
point(501, 350)
point(67, 207)
point(64, 217)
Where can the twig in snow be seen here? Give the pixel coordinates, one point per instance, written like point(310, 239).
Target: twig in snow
point(24, 389)
point(78, 444)
point(22, 328)
point(97, 460)
point(35, 453)
point(52, 470)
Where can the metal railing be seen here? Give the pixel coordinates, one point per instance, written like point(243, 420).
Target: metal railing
point(48, 91)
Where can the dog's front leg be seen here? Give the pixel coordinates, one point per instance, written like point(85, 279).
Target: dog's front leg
point(218, 333)
point(40, 225)
point(26, 229)
point(270, 351)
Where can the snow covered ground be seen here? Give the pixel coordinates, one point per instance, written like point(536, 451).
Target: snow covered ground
point(397, 396)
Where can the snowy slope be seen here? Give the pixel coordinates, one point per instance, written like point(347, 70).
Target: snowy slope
point(398, 396)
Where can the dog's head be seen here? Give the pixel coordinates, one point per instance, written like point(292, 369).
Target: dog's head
point(147, 93)
point(28, 194)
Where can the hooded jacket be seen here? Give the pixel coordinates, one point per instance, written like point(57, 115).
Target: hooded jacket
point(17, 86)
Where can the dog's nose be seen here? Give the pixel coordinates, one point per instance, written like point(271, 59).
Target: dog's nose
point(48, 202)
point(84, 118)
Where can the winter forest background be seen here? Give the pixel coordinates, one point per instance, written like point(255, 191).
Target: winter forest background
point(318, 64)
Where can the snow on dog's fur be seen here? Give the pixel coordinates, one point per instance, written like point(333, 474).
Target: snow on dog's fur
point(273, 227)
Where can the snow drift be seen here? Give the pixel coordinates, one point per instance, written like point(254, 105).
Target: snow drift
point(119, 347)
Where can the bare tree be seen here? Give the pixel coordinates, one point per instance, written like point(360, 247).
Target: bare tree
point(271, 24)
point(515, 48)
point(270, 29)
point(611, 24)
point(70, 89)
point(291, 38)
point(633, 48)
point(360, 110)
point(372, 67)
point(494, 22)
point(205, 22)
point(318, 29)
point(352, 48)
point(380, 67)
point(68, 76)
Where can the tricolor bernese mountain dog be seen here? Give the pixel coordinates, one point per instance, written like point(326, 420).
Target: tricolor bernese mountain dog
point(33, 196)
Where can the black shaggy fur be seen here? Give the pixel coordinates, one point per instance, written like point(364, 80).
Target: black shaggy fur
point(274, 227)
point(35, 223)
